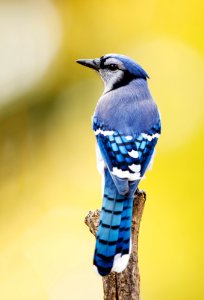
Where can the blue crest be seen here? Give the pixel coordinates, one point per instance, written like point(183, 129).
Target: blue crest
point(131, 65)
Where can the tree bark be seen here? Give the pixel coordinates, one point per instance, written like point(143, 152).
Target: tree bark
point(125, 285)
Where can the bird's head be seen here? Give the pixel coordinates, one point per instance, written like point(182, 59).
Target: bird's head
point(116, 70)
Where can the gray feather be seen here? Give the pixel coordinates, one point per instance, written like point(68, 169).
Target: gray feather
point(129, 109)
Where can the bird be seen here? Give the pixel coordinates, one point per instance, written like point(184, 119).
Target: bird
point(127, 125)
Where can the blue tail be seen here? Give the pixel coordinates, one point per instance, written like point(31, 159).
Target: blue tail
point(113, 237)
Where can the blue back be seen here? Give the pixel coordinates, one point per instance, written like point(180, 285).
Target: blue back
point(129, 109)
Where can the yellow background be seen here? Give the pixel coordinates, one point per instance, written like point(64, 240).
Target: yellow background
point(48, 178)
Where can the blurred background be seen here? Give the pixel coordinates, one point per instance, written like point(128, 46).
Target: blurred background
point(48, 178)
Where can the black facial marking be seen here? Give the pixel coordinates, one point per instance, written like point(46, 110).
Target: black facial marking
point(111, 67)
point(124, 80)
point(102, 62)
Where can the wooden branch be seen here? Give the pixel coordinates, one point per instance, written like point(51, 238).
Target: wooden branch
point(125, 285)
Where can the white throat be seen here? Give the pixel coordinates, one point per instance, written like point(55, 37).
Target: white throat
point(110, 79)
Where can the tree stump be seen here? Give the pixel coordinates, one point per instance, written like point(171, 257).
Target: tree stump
point(125, 285)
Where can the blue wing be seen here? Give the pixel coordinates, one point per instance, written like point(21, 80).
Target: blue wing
point(126, 157)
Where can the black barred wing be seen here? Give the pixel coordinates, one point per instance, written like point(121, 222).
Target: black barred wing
point(126, 156)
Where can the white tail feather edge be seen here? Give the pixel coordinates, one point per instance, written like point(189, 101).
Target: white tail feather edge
point(121, 261)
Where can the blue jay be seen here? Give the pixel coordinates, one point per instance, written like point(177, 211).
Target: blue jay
point(126, 123)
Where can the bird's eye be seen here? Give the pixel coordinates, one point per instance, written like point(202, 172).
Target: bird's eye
point(112, 67)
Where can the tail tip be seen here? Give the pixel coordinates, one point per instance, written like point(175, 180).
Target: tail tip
point(102, 271)
point(120, 262)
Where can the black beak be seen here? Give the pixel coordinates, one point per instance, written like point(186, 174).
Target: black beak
point(90, 63)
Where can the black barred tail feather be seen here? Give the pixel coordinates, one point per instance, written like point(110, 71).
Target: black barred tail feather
point(113, 236)
point(124, 240)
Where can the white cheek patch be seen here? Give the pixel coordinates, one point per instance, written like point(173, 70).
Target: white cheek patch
point(110, 78)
